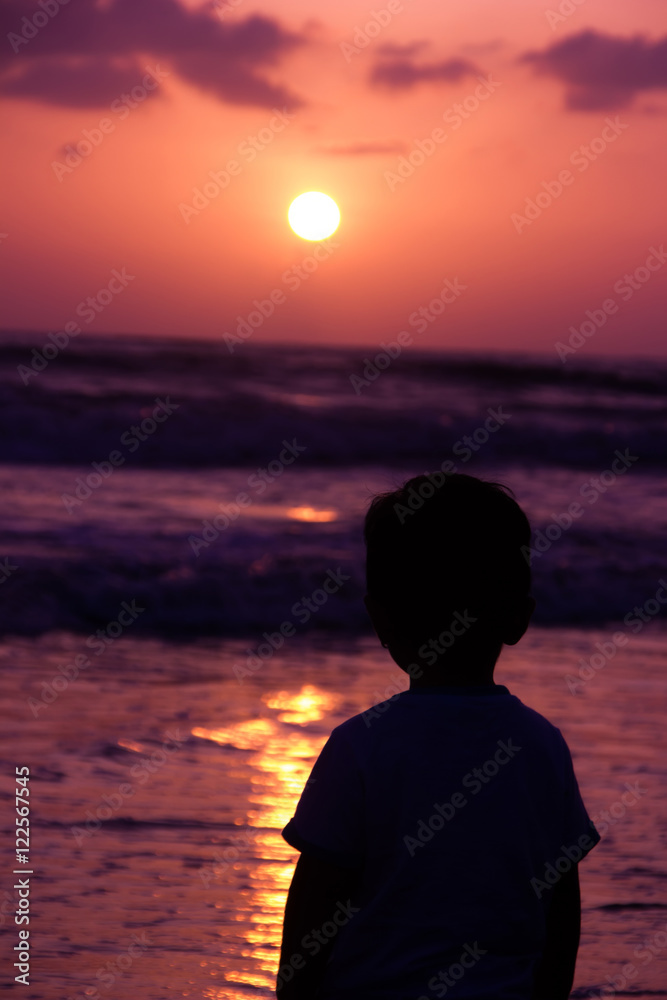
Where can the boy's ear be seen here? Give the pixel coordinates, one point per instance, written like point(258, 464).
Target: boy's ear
point(516, 624)
point(379, 618)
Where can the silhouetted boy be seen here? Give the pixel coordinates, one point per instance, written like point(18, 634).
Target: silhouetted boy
point(440, 831)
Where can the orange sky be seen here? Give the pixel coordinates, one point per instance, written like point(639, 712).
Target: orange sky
point(455, 217)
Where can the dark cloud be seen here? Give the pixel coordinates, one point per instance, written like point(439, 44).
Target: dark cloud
point(602, 72)
point(88, 53)
point(54, 82)
point(364, 147)
point(403, 73)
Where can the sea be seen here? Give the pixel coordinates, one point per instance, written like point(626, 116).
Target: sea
point(171, 663)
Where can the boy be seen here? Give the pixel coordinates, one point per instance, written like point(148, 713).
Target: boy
point(440, 831)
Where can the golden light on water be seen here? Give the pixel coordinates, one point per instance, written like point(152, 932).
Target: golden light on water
point(311, 514)
point(282, 757)
point(249, 735)
point(130, 745)
point(309, 705)
point(273, 772)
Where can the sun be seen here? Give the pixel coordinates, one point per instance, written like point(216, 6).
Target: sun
point(313, 215)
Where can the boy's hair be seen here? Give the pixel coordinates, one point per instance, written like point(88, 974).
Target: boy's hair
point(446, 542)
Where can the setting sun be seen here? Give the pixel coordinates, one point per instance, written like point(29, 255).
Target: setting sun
point(313, 215)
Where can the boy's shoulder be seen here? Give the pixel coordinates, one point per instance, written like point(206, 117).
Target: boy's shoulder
point(405, 710)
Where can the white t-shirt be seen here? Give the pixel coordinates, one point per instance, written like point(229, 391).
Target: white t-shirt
point(461, 808)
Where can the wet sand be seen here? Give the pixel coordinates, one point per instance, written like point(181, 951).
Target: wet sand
point(159, 786)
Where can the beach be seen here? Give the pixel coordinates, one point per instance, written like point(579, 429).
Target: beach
point(170, 670)
point(159, 786)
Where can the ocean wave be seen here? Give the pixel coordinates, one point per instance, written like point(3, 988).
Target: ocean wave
point(233, 410)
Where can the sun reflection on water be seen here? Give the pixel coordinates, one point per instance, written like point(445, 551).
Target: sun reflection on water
point(280, 759)
point(309, 705)
point(311, 514)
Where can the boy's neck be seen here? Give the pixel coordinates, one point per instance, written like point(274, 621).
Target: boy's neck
point(472, 670)
point(459, 667)
point(446, 678)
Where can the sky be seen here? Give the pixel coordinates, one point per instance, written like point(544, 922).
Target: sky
point(515, 150)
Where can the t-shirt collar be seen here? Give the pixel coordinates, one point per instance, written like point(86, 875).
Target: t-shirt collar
point(458, 689)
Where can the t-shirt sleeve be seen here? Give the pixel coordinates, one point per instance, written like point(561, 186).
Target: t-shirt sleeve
point(328, 822)
point(578, 828)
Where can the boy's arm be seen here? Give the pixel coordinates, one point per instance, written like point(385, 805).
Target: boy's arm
point(314, 896)
point(555, 972)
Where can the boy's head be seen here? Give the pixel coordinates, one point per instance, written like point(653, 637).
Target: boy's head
point(445, 574)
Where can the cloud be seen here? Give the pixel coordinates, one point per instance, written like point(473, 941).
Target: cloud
point(88, 53)
point(602, 72)
point(364, 147)
point(53, 81)
point(403, 73)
